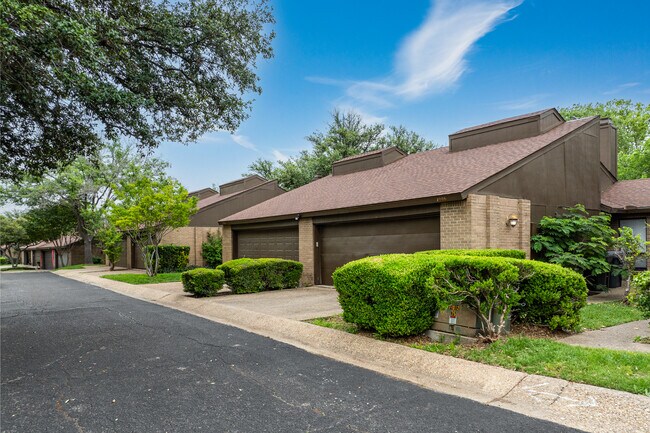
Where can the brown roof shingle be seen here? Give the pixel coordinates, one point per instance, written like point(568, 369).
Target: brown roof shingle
point(434, 173)
point(627, 194)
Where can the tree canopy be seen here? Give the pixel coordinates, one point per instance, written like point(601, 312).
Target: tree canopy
point(85, 187)
point(633, 122)
point(75, 73)
point(148, 208)
point(347, 135)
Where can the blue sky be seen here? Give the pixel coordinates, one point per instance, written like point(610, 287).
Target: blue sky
point(434, 67)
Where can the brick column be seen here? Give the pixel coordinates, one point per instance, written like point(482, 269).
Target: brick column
point(306, 247)
point(482, 222)
point(227, 244)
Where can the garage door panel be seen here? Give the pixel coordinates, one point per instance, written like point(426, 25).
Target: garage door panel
point(276, 243)
point(344, 243)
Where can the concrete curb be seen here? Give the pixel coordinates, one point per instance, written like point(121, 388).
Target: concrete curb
point(575, 405)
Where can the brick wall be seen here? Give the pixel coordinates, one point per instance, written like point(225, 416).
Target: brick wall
point(227, 243)
point(193, 237)
point(480, 221)
point(306, 250)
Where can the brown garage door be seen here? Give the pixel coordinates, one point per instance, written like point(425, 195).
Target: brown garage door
point(276, 243)
point(343, 243)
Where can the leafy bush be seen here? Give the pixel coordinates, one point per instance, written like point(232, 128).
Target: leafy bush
point(4, 260)
point(488, 285)
point(399, 294)
point(640, 292)
point(211, 250)
point(389, 293)
point(576, 241)
point(203, 282)
point(489, 252)
point(98, 261)
point(550, 295)
point(171, 258)
point(256, 275)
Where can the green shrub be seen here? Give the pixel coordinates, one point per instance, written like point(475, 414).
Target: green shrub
point(203, 282)
point(256, 275)
point(4, 260)
point(211, 250)
point(388, 293)
point(172, 258)
point(640, 292)
point(490, 252)
point(487, 285)
point(98, 261)
point(550, 295)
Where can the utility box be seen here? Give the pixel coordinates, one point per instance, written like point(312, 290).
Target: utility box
point(460, 320)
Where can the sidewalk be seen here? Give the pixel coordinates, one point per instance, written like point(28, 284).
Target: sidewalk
point(575, 405)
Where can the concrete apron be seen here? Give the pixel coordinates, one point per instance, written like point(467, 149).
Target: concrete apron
point(575, 405)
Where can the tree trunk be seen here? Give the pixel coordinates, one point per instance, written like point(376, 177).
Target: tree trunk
point(88, 248)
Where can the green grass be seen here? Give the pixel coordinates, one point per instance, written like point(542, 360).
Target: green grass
point(335, 322)
point(17, 268)
point(171, 277)
point(615, 369)
point(596, 316)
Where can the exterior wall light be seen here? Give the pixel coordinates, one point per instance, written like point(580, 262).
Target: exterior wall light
point(297, 217)
point(513, 219)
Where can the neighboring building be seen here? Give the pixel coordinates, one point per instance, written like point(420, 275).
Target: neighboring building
point(487, 189)
point(45, 256)
point(212, 206)
point(629, 203)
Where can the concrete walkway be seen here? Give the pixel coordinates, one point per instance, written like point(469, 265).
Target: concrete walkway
point(620, 337)
point(579, 406)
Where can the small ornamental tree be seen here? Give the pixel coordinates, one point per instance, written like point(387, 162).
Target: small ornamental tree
point(149, 208)
point(14, 236)
point(628, 248)
point(576, 241)
point(110, 239)
point(212, 250)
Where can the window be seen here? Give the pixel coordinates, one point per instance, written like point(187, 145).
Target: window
point(638, 227)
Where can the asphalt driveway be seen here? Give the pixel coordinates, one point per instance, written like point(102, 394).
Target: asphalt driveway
point(76, 358)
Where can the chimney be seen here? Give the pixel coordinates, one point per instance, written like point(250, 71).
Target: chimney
point(608, 145)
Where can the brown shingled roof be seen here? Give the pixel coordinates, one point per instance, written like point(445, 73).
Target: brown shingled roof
point(208, 201)
point(627, 195)
point(498, 122)
point(434, 173)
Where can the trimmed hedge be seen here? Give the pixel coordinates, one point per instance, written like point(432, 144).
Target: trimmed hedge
point(399, 294)
point(172, 258)
point(388, 293)
point(489, 252)
point(550, 295)
point(202, 281)
point(257, 275)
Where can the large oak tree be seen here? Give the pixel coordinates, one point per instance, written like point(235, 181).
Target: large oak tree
point(78, 72)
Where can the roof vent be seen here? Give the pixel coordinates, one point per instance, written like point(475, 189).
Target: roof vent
point(367, 161)
point(501, 131)
point(241, 184)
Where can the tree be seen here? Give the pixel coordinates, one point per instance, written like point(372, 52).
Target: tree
point(347, 135)
point(147, 209)
point(86, 186)
point(53, 223)
point(110, 240)
point(75, 72)
point(628, 248)
point(14, 236)
point(576, 241)
point(212, 250)
point(633, 122)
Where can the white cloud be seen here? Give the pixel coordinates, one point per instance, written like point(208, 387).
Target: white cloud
point(366, 117)
point(432, 58)
point(279, 156)
point(620, 88)
point(527, 103)
point(243, 141)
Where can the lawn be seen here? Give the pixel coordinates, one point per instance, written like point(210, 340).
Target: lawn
point(172, 277)
point(596, 316)
point(615, 369)
point(63, 268)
